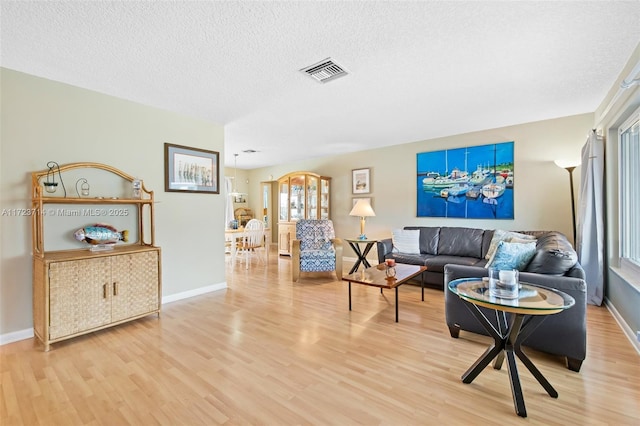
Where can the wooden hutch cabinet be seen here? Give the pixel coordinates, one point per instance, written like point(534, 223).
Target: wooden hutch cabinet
point(78, 291)
point(301, 195)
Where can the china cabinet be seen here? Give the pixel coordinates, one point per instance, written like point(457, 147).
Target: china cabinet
point(301, 195)
point(77, 291)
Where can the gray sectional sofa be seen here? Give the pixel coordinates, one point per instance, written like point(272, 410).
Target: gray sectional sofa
point(454, 252)
point(440, 246)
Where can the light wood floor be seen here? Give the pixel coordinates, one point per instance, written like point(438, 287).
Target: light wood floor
point(272, 352)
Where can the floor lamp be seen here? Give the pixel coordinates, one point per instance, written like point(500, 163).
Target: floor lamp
point(570, 166)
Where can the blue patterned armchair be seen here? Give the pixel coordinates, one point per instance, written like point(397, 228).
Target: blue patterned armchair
point(316, 248)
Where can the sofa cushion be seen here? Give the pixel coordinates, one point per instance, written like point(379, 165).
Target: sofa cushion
point(428, 238)
point(317, 260)
point(554, 255)
point(512, 255)
point(465, 242)
point(502, 235)
point(406, 241)
point(409, 259)
point(437, 263)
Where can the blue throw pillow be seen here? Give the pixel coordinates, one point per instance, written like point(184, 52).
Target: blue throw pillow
point(512, 255)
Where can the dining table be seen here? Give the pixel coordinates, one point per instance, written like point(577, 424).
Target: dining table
point(234, 235)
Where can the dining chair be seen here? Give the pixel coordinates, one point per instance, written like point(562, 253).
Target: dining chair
point(252, 242)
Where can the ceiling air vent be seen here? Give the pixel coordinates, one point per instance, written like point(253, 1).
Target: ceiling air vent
point(324, 71)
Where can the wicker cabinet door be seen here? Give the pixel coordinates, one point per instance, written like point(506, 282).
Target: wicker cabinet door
point(135, 284)
point(79, 296)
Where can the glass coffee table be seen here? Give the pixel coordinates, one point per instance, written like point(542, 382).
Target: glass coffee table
point(527, 313)
point(376, 276)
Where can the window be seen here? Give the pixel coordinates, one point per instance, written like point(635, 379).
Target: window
point(629, 166)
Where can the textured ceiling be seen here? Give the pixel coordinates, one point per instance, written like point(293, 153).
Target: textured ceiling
point(417, 70)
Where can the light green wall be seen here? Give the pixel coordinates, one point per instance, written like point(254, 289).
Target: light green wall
point(44, 120)
point(542, 192)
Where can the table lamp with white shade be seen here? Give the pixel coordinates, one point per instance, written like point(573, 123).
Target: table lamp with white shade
point(363, 209)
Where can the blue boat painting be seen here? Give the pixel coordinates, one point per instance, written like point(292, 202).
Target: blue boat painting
point(473, 183)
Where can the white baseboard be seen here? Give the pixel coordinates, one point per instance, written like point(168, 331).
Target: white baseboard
point(14, 336)
point(28, 333)
point(623, 325)
point(192, 293)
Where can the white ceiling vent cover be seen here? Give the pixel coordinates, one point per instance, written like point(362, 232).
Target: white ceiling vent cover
point(324, 71)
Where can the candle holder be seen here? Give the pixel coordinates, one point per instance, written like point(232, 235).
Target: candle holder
point(83, 191)
point(50, 184)
point(390, 271)
point(390, 268)
point(503, 283)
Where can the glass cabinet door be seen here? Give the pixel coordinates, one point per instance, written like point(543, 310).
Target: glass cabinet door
point(284, 201)
point(324, 198)
point(297, 201)
point(312, 194)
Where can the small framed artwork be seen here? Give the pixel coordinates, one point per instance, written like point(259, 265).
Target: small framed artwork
point(367, 199)
point(361, 181)
point(191, 170)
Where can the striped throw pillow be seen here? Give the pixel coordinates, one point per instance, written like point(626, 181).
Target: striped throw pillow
point(406, 241)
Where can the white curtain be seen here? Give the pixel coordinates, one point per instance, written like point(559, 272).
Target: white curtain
point(228, 212)
point(590, 235)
